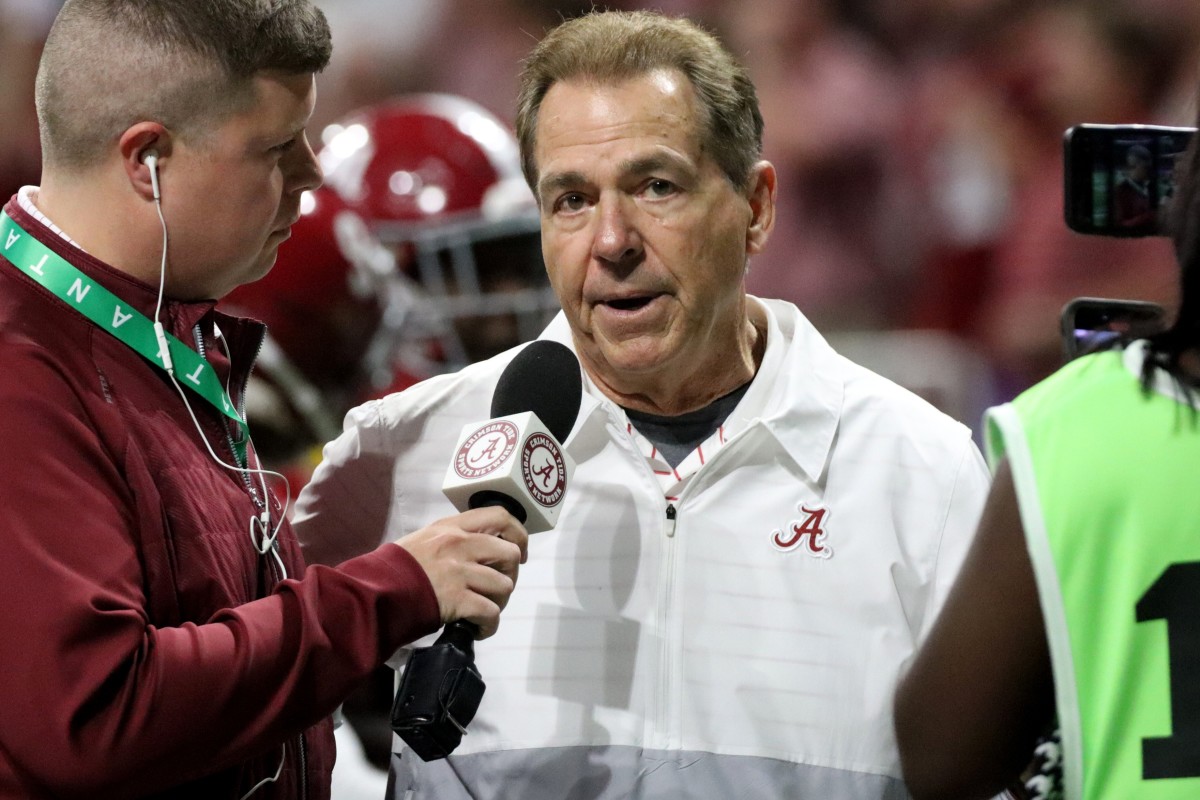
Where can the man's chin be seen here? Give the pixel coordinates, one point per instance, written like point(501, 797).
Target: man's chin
point(256, 272)
point(642, 356)
point(266, 261)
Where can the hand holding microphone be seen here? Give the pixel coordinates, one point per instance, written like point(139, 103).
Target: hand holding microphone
point(514, 461)
point(471, 560)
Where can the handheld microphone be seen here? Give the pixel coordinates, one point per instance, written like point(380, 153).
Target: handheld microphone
point(514, 460)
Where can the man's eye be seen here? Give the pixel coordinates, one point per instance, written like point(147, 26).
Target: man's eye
point(572, 201)
point(660, 188)
point(285, 146)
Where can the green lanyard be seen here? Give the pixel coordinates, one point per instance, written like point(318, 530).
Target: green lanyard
point(108, 312)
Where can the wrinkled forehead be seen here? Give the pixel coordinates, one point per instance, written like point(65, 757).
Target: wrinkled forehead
point(656, 105)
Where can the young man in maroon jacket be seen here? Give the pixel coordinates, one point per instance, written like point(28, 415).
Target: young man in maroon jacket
point(160, 633)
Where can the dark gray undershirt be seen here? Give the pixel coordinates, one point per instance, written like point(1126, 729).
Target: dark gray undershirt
point(676, 437)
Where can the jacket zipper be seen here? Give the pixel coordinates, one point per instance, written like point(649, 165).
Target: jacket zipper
point(668, 708)
point(303, 771)
point(240, 405)
point(667, 626)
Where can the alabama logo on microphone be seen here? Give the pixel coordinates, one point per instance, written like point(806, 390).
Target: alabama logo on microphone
point(486, 449)
point(543, 469)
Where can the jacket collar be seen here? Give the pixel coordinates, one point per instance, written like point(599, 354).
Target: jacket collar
point(802, 388)
point(797, 394)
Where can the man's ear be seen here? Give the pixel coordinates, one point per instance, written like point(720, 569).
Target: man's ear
point(135, 144)
point(761, 195)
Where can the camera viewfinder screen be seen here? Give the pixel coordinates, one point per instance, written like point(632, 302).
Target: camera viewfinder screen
point(1133, 182)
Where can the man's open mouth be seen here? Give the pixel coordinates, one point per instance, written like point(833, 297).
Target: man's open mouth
point(629, 303)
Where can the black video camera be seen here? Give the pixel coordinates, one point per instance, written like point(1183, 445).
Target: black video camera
point(1120, 181)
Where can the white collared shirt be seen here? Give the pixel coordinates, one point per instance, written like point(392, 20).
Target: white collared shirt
point(761, 617)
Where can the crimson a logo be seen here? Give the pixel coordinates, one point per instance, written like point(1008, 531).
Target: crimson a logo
point(807, 535)
point(486, 449)
point(543, 469)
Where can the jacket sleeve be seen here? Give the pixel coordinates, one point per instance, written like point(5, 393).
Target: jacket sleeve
point(96, 700)
point(968, 492)
point(353, 482)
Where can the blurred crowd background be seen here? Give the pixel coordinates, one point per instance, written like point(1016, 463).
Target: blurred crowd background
point(919, 144)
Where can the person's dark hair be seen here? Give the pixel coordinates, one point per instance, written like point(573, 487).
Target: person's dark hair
point(612, 46)
point(1166, 348)
point(108, 64)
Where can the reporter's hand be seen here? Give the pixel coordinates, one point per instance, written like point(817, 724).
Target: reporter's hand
point(471, 559)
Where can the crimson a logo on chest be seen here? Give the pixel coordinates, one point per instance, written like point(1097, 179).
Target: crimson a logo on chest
point(808, 533)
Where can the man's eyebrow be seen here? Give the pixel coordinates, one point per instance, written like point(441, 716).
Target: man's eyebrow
point(652, 163)
point(268, 139)
point(643, 165)
point(560, 180)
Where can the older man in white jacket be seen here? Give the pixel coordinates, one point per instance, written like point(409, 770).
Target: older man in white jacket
point(758, 532)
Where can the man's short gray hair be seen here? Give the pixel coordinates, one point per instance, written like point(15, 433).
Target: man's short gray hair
point(610, 46)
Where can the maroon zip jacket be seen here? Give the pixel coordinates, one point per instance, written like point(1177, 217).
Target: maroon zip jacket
point(145, 647)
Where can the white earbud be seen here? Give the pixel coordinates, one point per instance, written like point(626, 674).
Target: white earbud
point(150, 159)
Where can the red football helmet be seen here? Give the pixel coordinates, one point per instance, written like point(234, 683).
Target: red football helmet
point(438, 179)
point(343, 324)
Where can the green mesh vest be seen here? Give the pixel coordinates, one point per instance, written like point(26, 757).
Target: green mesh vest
point(1108, 483)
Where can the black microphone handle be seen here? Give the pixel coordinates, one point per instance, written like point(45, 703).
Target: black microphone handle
point(461, 634)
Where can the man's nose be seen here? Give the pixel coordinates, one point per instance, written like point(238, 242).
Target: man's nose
point(616, 239)
point(305, 173)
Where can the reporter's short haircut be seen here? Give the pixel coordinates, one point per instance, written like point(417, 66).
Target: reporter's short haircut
point(188, 64)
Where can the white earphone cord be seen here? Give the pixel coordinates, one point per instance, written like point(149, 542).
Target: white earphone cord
point(259, 523)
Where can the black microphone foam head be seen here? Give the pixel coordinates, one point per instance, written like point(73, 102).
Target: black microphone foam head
point(543, 378)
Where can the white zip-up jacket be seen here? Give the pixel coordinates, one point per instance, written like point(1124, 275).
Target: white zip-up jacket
point(735, 633)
